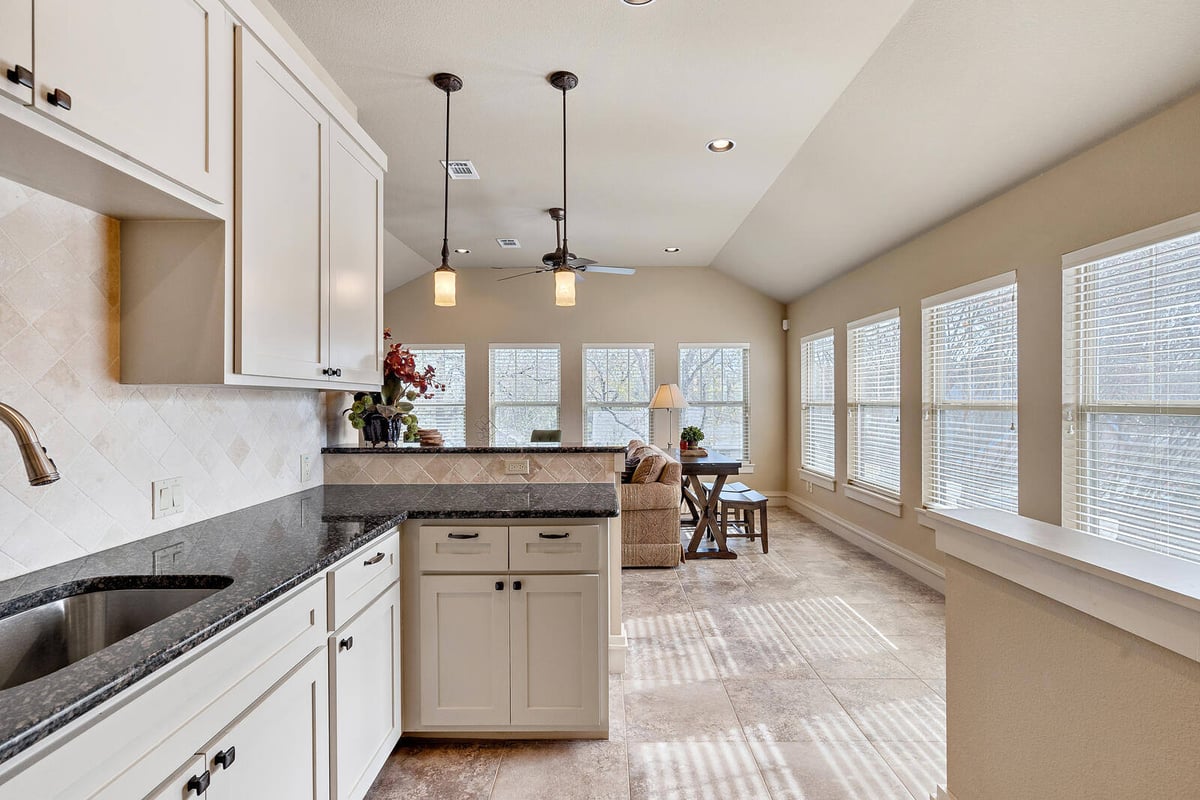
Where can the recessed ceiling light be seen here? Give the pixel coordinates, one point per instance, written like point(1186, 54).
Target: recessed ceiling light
point(721, 145)
point(670, 249)
point(637, 2)
point(462, 250)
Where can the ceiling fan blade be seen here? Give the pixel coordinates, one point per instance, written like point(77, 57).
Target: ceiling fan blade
point(609, 270)
point(578, 276)
point(580, 262)
point(537, 268)
point(522, 275)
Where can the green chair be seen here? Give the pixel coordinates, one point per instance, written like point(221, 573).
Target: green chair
point(541, 437)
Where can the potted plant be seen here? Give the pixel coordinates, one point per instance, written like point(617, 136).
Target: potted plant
point(689, 437)
point(385, 417)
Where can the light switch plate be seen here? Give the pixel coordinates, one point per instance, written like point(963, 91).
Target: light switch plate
point(305, 468)
point(166, 559)
point(166, 497)
point(516, 467)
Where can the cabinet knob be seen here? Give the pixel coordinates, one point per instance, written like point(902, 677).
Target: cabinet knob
point(337, 373)
point(499, 586)
point(59, 98)
point(198, 784)
point(22, 76)
point(225, 758)
point(516, 586)
point(346, 644)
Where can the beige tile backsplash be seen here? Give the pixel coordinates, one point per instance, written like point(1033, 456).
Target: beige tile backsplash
point(59, 342)
point(366, 469)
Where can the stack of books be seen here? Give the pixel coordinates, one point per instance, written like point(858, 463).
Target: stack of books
point(430, 437)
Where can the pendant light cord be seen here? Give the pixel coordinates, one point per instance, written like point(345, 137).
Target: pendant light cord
point(446, 192)
point(565, 254)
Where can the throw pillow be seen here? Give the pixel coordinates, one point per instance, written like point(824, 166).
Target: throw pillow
point(649, 470)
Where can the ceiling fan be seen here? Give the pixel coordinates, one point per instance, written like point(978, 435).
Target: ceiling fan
point(554, 260)
point(566, 266)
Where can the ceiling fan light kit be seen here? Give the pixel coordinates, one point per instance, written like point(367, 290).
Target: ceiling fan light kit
point(444, 278)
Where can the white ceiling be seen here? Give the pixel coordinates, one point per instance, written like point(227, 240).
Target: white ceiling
point(858, 125)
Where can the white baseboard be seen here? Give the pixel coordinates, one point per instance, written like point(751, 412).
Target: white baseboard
point(942, 794)
point(618, 645)
point(920, 568)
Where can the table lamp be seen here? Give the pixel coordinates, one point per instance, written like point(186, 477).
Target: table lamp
point(670, 397)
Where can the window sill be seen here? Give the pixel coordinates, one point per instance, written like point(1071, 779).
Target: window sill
point(1148, 594)
point(817, 479)
point(888, 505)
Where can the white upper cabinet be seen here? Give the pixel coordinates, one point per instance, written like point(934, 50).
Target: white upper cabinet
point(355, 262)
point(135, 75)
point(16, 50)
point(280, 253)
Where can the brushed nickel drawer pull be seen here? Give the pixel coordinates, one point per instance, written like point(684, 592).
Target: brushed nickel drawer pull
point(462, 535)
point(375, 559)
point(554, 535)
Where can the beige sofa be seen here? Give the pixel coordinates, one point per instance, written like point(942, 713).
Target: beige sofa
point(650, 517)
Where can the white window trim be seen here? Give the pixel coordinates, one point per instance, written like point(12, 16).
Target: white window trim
point(872, 497)
point(433, 402)
point(978, 287)
point(826, 482)
point(804, 468)
point(653, 385)
point(870, 494)
point(745, 403)
point(493, 404)
point(1173, 229)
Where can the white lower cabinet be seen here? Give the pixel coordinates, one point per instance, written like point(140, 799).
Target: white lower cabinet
point(191, 780)
point(364, 675)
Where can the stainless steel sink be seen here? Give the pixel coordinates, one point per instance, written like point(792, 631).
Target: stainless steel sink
point(44, 639)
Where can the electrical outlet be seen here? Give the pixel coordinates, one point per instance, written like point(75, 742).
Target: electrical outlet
point(808, 485)
point(517, 467)
point(166, 497)
point(305, 468)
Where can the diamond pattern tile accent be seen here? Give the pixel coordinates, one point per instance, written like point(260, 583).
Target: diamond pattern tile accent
point(341, 468)
point(59, 345)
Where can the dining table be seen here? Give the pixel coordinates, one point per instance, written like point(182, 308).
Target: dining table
point(705, 501)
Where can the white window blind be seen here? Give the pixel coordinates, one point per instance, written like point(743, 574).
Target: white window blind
point(970, 396)
point(715, 379)
point(524, 391)
point(1131, 385)
point(618, 381)
point(817, 448)
point(446, 411)
point(874, 403)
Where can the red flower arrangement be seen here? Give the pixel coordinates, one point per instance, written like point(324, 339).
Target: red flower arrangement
point(402, 380)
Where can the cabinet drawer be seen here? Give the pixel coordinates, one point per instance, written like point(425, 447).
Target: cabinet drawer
point(562, 548)
point(462, 548)
point(362, 576)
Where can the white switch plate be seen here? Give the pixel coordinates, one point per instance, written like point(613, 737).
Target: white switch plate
point(516, 467)
point(305, 468)
point(166, 497)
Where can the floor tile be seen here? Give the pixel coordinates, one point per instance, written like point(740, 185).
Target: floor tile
point(925, 656)
point(826, 771)
point(694, 771)
point(678, 660)
point(893, 710)
point(563, 771)
point(616, 709)
point(761, 657)
point(843, 657)
point(436, 771)
point(739, 621)
point(921, 766)
point(664, 711)
point(790, 711)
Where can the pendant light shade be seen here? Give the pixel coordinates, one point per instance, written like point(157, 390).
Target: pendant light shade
point(444, 277)
point(564, 287)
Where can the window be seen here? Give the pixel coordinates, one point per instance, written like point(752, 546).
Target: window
point(618, 381)
point(524, 391)
point(970, 396)
point(874, 403)
point(715, 379)
point(446, 411)
point(816, 403)
point(1131, 389)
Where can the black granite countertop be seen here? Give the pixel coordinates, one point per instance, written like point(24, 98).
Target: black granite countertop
point(263, 551)
point(548, 447)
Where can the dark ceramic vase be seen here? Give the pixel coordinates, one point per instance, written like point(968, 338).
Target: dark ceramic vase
point(378, 429)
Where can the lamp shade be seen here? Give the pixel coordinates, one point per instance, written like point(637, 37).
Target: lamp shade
point(669, 395)
point(443, 287)
point(564, 287)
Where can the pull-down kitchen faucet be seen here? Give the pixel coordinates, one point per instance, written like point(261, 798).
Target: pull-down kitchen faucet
point(38, 465)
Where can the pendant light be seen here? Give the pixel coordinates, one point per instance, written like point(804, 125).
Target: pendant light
point(564, 276)
point(444, 276)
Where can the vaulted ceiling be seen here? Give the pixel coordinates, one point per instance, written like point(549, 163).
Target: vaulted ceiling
point(858, 123)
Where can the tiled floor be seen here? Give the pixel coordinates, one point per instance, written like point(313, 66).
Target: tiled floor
point(816, 672)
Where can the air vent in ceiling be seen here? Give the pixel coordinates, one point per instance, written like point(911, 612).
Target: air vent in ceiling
point(508, 244)
point(462, 171)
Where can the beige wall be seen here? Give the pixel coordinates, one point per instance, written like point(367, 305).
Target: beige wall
point(1146, 175)
point(662, 306)
point(60, 292)
point(1044, 701)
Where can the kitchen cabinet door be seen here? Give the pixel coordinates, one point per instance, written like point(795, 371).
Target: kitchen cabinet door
point(140, 75)
point(464, 650)
point(280, 746)
point(281, 260)
point(555, 650)
point(355, 262)
point(16, 49)
point(187, 784)
point(364, 670)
